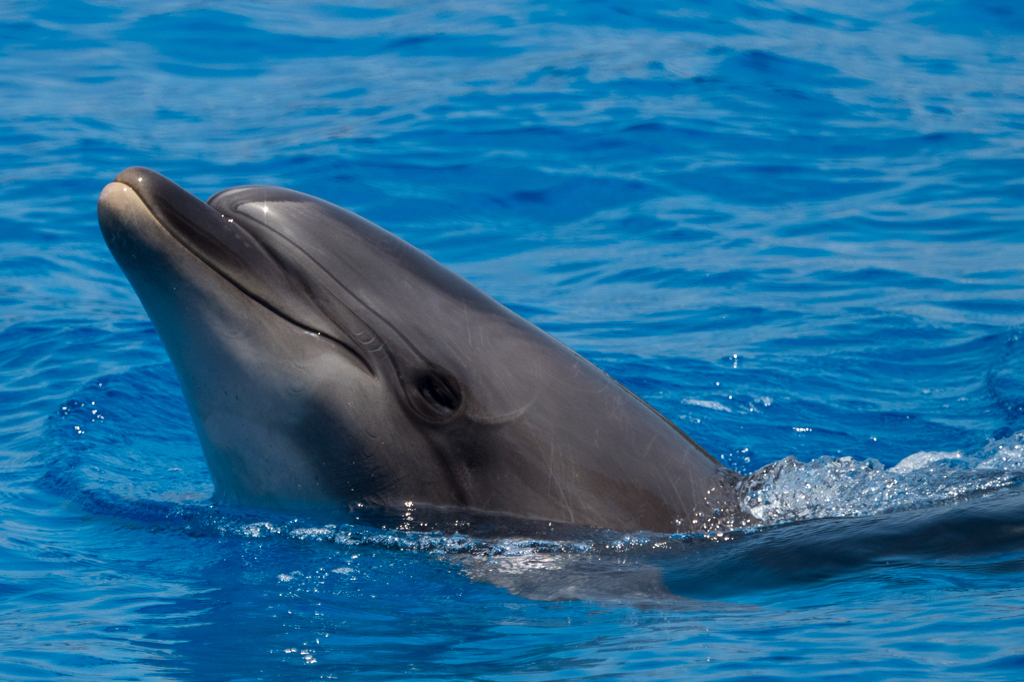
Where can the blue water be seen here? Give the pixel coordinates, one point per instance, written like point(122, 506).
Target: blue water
point(795, 228)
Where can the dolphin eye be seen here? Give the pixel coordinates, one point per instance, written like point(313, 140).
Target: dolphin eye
point(440, 394)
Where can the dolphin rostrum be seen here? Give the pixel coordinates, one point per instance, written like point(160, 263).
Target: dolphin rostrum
point(329, 364)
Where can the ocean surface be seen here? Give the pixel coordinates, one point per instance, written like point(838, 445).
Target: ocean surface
point(795, 228)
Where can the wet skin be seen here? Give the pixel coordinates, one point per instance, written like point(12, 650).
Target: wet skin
point(327, 363)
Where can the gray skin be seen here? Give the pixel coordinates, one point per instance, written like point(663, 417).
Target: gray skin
point(329, 364)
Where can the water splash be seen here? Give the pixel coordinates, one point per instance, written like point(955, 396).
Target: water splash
point(433, 542)
point(831, 487)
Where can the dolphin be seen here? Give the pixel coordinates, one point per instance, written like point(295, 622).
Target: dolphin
point(329, 365)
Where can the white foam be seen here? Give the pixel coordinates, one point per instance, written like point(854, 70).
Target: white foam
point(789, 490)
point(919, 460)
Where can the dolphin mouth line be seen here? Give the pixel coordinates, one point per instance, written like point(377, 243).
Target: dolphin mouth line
point(158, 217)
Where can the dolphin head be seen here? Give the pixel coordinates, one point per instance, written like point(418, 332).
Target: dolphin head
point(327, 363)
